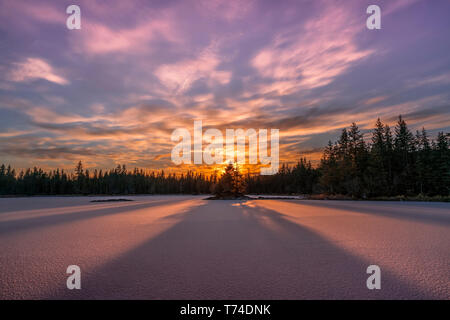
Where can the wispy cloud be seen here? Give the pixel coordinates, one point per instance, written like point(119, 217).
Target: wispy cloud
point(99, 38)
point(35, 68)
point(311, 55)
point(180, 76)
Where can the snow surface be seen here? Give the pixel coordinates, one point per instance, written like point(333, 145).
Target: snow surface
point(184, 247)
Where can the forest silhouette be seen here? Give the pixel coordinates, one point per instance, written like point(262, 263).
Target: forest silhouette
point(397, 163)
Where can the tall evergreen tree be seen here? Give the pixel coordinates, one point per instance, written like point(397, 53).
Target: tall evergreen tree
point(403, 162)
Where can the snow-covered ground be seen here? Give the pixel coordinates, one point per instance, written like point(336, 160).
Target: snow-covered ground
point(184, 247)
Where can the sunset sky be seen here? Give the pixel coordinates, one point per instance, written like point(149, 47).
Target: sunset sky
point(114, 91)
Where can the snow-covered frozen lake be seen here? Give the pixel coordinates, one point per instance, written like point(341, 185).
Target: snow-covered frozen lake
point(184, 247)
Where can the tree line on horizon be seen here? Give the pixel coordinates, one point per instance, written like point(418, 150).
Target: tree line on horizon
point(115, 181)
point(390, 164)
